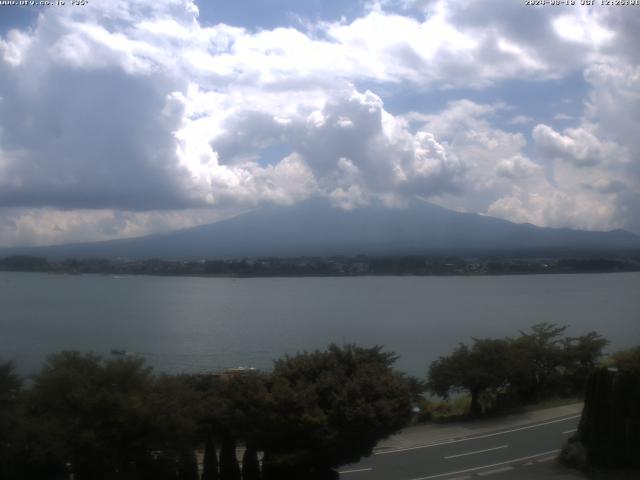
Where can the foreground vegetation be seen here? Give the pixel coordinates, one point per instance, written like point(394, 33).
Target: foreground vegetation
point(495, 375)
point(116, 419)
point(499, 374)
point(609, 431)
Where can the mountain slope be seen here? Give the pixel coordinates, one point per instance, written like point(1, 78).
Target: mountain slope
point(314, 228)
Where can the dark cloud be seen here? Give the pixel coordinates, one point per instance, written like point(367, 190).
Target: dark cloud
point(88, 139)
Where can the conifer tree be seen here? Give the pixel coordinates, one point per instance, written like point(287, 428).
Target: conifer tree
point(210, 460)
point(229, 468)
point(250, 464)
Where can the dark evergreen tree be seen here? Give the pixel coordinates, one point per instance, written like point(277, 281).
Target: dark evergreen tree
point(250, 463)
point(229, 468)
point(188, 466)
point(210, 460)
point(610, 424)
point(160, 467)
point(10, 386)
point(274, 468)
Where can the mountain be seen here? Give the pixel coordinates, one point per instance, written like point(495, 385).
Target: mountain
point(315, 228)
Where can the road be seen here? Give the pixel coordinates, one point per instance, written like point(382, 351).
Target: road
point(486, 454)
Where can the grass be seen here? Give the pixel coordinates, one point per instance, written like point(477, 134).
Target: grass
point(553, 402)
point(442, 411)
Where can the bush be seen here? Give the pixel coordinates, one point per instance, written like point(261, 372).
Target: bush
point(573, 454)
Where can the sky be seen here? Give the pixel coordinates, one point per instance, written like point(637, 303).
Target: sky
point(124, 118)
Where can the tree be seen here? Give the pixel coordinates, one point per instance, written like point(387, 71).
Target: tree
point(24, 263)
point(241, 402)
point(610, 425)
point(10, 389)
point(581, 355)
point(626, 360)
point(108, 417)
point(231, 407)
point(483, 367)
point(187, 465)
point(536, 357)
point(63, 403)
point(229, 468)
point(174, 408)
point(329, 408)
point(210, 460)
point(250, 464)
point(10, 421)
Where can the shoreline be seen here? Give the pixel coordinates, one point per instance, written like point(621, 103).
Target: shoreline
point(321, 275)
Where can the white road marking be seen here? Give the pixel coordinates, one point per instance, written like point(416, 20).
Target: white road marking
point(482, 467)
point(448, 442)
point(477, 451)
point(356, 471)
point(493, 472)
point(567, 432)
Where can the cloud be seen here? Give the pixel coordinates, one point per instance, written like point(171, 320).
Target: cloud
point(521, 120)
point(606, 186)
point(48, 226)
point(596, 162)
point(577, 146)
point(578, 178)
point(85, 122)
point(517, 166)
point(135, 108)
point(613, 108)
point(354, 150)
point(562, 117)
point(556, 208)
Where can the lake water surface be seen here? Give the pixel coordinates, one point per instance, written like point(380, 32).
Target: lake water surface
point(193, 324)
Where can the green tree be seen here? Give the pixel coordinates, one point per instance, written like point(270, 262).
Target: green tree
point(626, 360)
point(537, 355)
point(581, 356)
point(231, 407)
point(477, 369)
point(113, 417)
point(329, 408)
point(174, 408)
point(241, 402)
point(95, 415)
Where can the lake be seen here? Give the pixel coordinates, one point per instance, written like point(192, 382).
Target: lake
point(197, 324)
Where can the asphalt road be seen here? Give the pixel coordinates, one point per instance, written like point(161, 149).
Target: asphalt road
point(492, 453)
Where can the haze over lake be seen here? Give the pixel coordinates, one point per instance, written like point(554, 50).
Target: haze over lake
point(196, 324)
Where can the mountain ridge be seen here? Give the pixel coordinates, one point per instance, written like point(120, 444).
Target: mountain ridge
point(314, 228)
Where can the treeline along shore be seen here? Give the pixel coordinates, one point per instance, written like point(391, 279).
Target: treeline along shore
point(505, 263)
point(90, 418)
